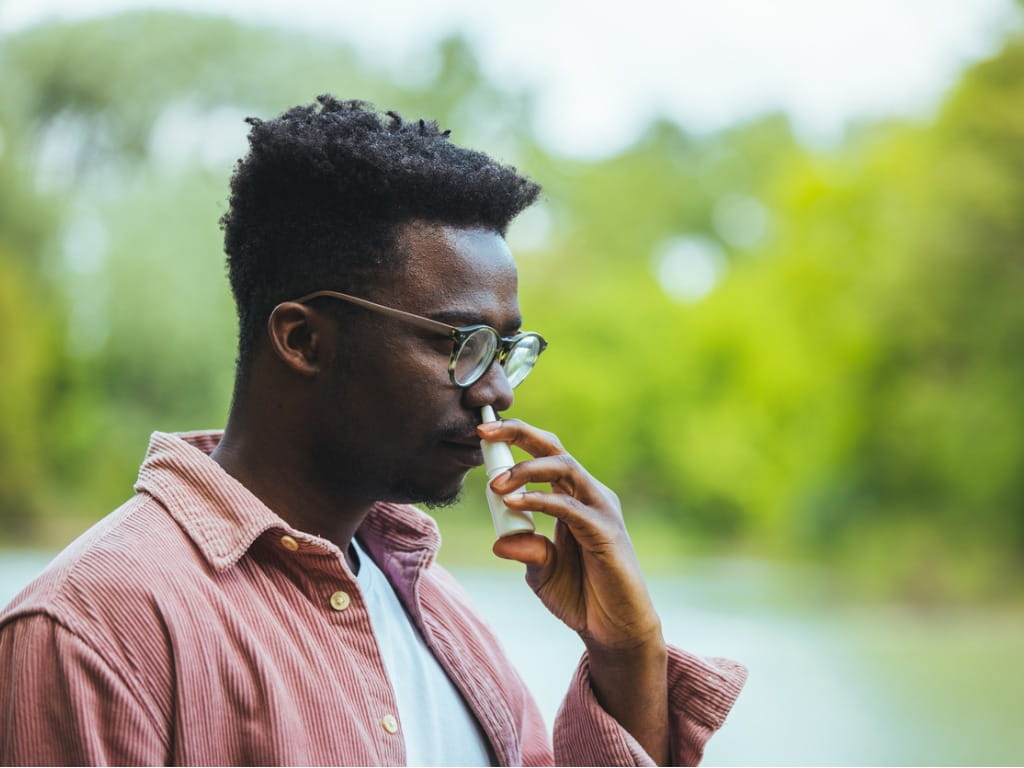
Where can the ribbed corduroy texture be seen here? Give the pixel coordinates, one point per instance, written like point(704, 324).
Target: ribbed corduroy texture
point(181, 630)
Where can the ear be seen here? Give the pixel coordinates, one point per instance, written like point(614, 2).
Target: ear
point(296, 336)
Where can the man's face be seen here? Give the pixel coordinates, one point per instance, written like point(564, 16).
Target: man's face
point(394, 427)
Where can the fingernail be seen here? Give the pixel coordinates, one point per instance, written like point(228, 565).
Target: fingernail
point(501, 479)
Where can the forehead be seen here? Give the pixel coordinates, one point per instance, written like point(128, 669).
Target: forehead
point(466, 270)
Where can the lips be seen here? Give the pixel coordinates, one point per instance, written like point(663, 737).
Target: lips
point(464, 451)
point(467, 438)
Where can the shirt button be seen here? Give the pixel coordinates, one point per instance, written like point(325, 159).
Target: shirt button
point(389, 724)
point(340, 601)
point(289, 543)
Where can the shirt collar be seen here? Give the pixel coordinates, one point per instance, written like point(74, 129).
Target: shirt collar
point(223, 518)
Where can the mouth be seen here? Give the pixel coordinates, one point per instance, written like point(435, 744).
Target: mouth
point(464, 452)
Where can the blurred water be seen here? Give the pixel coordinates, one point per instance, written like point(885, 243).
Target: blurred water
point(803, 702)
point(829, 685)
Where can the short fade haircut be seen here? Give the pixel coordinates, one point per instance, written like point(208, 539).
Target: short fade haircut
point(317, 202)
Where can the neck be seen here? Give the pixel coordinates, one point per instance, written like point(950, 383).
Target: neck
point(265, 458)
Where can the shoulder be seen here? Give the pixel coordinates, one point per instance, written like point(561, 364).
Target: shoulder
point(112, 574)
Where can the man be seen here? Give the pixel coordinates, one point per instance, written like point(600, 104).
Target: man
point(267, 596)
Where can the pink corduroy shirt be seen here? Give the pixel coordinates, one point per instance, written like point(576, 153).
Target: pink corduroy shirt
point(194, 626)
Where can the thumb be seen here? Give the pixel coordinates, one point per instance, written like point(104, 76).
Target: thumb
point(531, 549)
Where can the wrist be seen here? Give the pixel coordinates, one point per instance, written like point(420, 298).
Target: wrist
point(642, 649)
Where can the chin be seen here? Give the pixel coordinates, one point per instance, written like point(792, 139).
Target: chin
point(447, 501)
point(431, 486)
point(431, 497)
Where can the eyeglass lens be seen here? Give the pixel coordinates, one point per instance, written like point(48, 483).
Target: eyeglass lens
point(521, 359)
point(477, 354)
point(474, 356)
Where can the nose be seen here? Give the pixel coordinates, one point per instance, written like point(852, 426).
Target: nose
point(490, 389)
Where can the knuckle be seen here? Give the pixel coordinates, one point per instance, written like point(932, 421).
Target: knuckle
point(567, 461)
point(552, 438)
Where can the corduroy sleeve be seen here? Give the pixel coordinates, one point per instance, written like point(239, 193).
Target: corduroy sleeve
point(62, 704)
point(700, 694)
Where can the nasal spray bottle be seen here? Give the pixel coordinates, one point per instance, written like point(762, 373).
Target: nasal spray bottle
point(498, 458)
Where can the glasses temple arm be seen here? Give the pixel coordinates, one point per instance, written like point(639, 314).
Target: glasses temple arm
point(423, 322)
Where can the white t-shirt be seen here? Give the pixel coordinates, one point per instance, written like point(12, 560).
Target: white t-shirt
point(437, 726)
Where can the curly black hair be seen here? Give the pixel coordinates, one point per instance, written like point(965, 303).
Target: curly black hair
point(317, 201)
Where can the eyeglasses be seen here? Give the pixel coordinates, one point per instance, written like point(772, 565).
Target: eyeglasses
point(475, 347)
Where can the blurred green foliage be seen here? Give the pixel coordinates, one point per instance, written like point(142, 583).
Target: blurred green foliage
point(847, 389)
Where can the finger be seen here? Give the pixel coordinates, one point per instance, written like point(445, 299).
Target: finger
point(562, 471)
point(531, 549)
point(558, 505)
point(536, 442)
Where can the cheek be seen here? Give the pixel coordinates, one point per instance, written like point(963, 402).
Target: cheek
point(419, 364)
point(412, 393)
point(398, 377)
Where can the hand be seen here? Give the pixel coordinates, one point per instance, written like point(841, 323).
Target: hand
point(589, 577)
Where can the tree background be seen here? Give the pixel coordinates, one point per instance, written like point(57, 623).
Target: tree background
point(765, 348)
